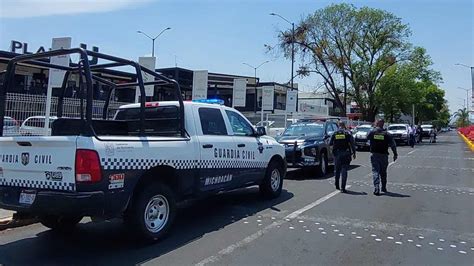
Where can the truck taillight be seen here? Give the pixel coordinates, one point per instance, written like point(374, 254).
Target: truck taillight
point(87, 166)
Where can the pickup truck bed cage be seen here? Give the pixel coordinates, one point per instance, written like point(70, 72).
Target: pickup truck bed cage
point(85, 70)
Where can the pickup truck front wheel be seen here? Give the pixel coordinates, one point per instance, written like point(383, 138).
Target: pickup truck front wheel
point(59, 223)
point(153, 211)
point(273, 181)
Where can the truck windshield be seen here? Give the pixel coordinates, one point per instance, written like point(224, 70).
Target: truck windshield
point(397, 128)
point(304, 130)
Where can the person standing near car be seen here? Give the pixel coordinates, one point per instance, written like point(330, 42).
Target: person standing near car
point(343, 148)
point(380, 140)
point(411, 135)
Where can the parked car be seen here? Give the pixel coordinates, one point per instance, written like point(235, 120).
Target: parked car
point(429, 132)
point(360, 135)
point(399, 133)
point(271, 128)
point(307, 144)
point(34, 126)
point(10, 127)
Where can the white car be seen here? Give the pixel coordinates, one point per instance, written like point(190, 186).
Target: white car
point(10, 127)
point(34, 126)
point(271, 130)
point(360, 135)
point(399, 133)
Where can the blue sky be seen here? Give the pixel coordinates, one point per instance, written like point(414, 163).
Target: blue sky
point(220, 35)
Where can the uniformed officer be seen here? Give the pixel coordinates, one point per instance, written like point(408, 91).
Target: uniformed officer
point(343, 147)
point(380, 140)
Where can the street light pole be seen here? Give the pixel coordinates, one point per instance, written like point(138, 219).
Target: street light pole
point(153, 39)
point(472, 83)
point(255, 76)
point(467, 97)
point(292, 50)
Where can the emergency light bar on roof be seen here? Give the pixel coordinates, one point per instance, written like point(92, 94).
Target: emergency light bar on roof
point(211, 101)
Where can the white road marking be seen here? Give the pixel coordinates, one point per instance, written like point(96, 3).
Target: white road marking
point(440, 248)
point(378, 239)
point(358, 237)
point(323, 233)
point(390, 237)
point(385, 227)
point(259, 233)
point(340, 234)
point(411, 152)
point(462, 252)
point(453, 246)
point(398, 243)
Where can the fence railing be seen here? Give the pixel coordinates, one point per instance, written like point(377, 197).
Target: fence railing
point(25, 113)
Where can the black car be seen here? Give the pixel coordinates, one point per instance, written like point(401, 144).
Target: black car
point(307, 144)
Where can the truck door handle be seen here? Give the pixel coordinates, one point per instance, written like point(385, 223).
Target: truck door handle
point(207, 146)
point(241, 145)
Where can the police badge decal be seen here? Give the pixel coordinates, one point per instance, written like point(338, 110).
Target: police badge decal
point(25, 158)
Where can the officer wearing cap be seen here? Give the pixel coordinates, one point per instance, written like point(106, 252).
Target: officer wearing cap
point(380, 140)
point(343, 147)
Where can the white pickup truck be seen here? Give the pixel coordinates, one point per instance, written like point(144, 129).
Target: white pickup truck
point(136, 166)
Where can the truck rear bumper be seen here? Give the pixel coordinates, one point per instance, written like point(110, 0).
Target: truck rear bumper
point(53, 202)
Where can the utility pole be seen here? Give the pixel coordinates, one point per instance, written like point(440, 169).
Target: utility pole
point(256, 85)
point(153, 39)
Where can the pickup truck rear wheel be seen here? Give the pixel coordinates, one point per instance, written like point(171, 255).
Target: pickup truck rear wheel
point(59, 223)
point(153, 211)
point(273, 182)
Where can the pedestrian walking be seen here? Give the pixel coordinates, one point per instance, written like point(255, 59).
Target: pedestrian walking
point(343, 148)
point(411, 135)
point(380, 140)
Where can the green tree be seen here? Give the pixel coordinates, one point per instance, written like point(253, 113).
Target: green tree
point(409, 83)
point(463, 117)
point(352, 46)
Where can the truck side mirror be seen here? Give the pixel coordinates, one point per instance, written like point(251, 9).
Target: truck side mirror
point(261, 131)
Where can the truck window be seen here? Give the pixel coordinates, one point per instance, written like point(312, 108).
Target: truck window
point(239, 125)
point(212, 122)
point(160, 120)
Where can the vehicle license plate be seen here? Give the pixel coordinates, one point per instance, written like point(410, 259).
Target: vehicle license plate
point(27, 197)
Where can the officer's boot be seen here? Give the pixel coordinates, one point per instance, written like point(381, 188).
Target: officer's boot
point(337, 184)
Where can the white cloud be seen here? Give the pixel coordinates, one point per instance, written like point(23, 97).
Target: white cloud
point(38, 8)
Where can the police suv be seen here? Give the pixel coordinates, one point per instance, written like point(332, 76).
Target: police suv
point(139, 165)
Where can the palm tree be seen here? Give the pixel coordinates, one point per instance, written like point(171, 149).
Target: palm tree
point(463, 117)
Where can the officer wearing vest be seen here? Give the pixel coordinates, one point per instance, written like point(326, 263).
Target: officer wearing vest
point(380, 140)
point(343, 147)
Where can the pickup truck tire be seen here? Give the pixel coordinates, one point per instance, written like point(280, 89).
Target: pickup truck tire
point(59, 223)
point(322, 168)
point(272, 184)
point(153, 211)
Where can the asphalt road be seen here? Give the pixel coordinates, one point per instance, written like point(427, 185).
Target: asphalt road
point(426, 218)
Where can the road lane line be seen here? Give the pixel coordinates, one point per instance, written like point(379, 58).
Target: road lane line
point(411, 152)
point(259, 233)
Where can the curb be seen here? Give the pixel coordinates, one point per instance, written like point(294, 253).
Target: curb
point(468, 142)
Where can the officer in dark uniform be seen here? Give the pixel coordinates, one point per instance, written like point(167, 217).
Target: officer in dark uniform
point(343, 147)
point(380, 140)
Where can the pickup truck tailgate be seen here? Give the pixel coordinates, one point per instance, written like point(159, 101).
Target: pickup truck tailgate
point(38, 162)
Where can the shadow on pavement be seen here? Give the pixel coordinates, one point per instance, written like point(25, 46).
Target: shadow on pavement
point(355, 193)
point(110, 242)
point(310, 173)
point(395, 195)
